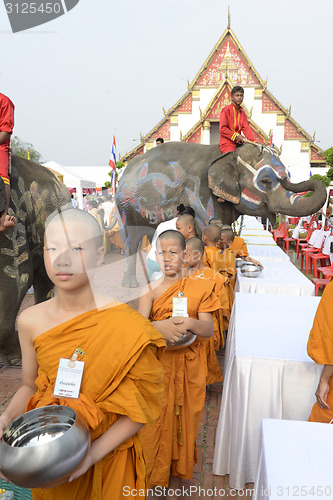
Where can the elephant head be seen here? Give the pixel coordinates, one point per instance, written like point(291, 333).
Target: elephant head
point(255, 180)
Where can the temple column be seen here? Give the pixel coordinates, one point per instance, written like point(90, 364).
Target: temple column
point(206, 133)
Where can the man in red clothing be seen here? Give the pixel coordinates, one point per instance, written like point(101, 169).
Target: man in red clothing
point(234, 123)
point(6, 129)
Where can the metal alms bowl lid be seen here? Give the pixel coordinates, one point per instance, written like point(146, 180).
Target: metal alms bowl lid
point(185, 341)
point(43, 446)
point(251, 270)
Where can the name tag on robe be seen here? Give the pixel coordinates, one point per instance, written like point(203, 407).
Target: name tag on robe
point(69, 377)
point(179, 306)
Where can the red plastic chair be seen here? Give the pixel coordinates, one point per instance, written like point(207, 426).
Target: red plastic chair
point(327, 272)
point(306, 253)
point(286, 242)
point(318, 283)
point(279, 230)
point(283, 234)
point(301, 242)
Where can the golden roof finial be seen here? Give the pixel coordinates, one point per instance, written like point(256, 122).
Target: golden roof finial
point(250, 114)
point(141, 137)
point(181, 136)
point(229, 20)
point(188, 85)
point(265, 84)
point(314, 137)
point(200, 111)
point(165, 113)
point(289, 111)
point(280, 150)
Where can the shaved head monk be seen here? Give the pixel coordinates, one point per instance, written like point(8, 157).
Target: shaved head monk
point(186, 225)
point(121, 385)
point(177, 304)
point(239, 247)
point(197, 270)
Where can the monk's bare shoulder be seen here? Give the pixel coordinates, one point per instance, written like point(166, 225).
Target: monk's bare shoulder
point(33, 321)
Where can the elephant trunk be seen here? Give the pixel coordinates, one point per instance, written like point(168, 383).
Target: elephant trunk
point(299, 205)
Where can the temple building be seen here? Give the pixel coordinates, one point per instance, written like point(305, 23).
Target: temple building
point(195, 116)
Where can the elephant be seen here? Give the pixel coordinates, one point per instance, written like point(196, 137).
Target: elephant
point(35, 193)
point(251, 180)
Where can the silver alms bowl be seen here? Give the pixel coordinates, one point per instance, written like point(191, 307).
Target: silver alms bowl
point(43, 446)
point(251, 270)
point(185, 341)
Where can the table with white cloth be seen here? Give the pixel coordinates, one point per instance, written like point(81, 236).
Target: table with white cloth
point(268, 374)
point(278, 278)
point(268, 253)
point(259, 240)
point(251, 222)
point(294, 460)
point(255, 232)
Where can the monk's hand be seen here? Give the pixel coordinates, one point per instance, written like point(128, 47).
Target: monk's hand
point(257, 263)
point(172, 329)
point(321, 394)
point(88, 462)
point(239, 139)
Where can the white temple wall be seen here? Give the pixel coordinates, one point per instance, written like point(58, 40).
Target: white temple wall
point(206, 95)
point(297, 162)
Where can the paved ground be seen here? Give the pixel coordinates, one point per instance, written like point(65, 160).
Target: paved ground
point(108, 279)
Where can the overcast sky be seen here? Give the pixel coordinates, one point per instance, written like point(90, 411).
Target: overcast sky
point(112, 64)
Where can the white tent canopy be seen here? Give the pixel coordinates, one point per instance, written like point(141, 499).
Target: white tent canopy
point(80, 177)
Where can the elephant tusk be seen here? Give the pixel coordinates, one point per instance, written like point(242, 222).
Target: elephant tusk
point(247, 165)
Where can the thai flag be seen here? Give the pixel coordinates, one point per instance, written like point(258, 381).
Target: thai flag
point(271, 143)
point(113, 159)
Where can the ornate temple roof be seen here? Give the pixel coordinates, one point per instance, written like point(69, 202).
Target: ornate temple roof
point(226, 65)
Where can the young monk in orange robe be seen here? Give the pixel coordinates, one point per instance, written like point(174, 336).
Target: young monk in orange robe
point(122, 384)
point(170, 443)
point(239, 247)
point(186, 225)
point(320, 349)
point(197, 271)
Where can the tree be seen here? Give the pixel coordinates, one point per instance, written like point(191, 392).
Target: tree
point(328, 156)
point(119, 170)
point(25, 150)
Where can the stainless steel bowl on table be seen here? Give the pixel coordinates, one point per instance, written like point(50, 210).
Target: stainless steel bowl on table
point(43, 446)
point(251, 270)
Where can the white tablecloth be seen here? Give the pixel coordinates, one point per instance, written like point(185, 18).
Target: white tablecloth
point(255, 232)
point(252, 223)
point(268, 374)
point(268, 253)
point(278, 278)
point(294, 460)
point(259, 240)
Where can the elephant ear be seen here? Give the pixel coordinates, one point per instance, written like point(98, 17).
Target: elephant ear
point(222, 179)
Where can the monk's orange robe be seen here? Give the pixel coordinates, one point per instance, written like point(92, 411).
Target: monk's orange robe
point(214, 343)
point(223, 262)
point(171, 440)
point(122, 376)
point(320, 349)
point(239, 247)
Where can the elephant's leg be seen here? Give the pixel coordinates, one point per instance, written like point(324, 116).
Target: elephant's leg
point(133, 240)
point(10, 301)
point(41, 282)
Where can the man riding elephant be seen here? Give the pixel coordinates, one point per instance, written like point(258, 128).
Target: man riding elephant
point(234, 130)
point(6, 129)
